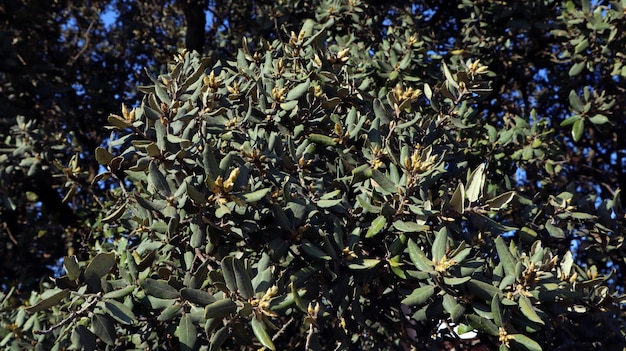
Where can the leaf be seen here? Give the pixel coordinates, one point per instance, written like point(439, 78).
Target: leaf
point(313, 251)
point(115, 215)
point(578, 129)
point(506, 258)
point(116, 294)
point(482, 323)
point(555, 231)
point(258, 327)
point(380, 111)
point(103, 328)
point(157, 180)
point(119, 312)
point(218, 338)
point(482, 289)
point(255, 195)
point(410, 227)
point(418, 257)
point(118, 121)
point(71, 267)
point(197, 296)
point(377, 225)
point(83, 339)
point(440, 244)
point(327, 203)
point(383, 181)
point(220, 309)
point(363, 264)
point(576, 68)
point(298, 90)
point(599, 119)
point(103, 156)
point(476, 183)
point(575, 101)
point(496, 310)
point(458, 199)
point(100, 265)
point(186, 332)
point(242, 278)
point(48, 302)
point(501, 200)
point(419, 296)
point(525, 342)
point(158, 288)
point(228, 272)
point(528, 310)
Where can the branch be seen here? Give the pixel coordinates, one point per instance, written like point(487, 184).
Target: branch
point(73, 315)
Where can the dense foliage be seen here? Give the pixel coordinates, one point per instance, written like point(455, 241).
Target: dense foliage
point(326, 175)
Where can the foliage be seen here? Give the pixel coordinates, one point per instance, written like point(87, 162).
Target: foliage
point(348, 179)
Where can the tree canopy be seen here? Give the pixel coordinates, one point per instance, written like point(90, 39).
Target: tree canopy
point(312, 174)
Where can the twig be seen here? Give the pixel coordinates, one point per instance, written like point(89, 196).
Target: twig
point(82, 50)
point(282, 329)
point(309, 336)
point(67, 320)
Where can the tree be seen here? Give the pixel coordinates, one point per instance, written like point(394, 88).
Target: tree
point(366, 175)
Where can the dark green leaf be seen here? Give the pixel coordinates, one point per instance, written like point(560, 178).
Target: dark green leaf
point(159, 288)
point(103, 328)
point(419, 296)
point(220, 309)
point(48, 301)
point(377, 225)
point(525, 342)
point(197, 296)
point(258, 327)
point(186, 332)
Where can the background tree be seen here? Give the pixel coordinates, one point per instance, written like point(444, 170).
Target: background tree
point(202, 188)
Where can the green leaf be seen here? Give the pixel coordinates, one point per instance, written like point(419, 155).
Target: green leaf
point(476, 183)
point(496, 310)
point(506, 258)
point(48, 302)
point(313, 251)
point(327, 203)
point(440, 244)
point(599, 119)
point(419, 296)
point(218, 338)
point(298, 90)
point(410, 227)
point(119, 312)
point(458, 199)
point(377, 225)
point(103, 156)
point(363, 264)
point(255, 195)
point(578, 129)
point(186, 332)
point(170, 312)
point(158, 288)
point(525, 342)
point(576, 68)
point(501, 200)
point(220, 309)
point(528, 310)
point(114, 215)
point(575, 102)
point(228, 272)
point(82, 338)
point(157, 180)
point(116, 294)
point(482, 323)
point(384, 182)
point(71, 267)
point(197, 296)
point(100, 265)
point(258, 328)
point(555, 231)
point(242, 278)
point(103, 328)
point(418, 257)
